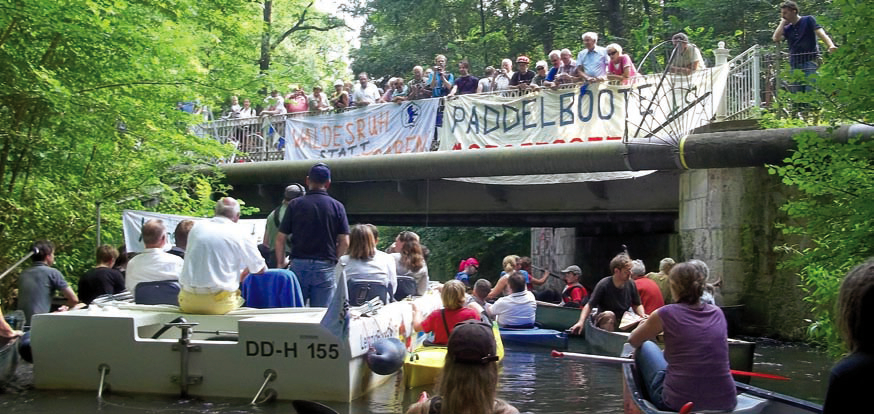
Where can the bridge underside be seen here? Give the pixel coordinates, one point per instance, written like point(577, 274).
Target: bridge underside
point(647, 204)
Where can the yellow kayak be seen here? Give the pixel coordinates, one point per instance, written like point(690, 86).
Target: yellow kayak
point(425, 363)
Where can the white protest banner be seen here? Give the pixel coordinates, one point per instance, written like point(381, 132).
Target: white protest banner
point(372, 130)
point(133, 220)
point(595, 113)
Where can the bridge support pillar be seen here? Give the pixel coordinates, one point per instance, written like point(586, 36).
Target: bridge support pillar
point(553, 249)
point(727, 218)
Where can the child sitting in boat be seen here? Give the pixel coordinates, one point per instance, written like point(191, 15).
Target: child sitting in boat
point(574, 293)
point(850, 378)
point(695, 366)
point(516, 310)
point(470, 375)
point(442, 321)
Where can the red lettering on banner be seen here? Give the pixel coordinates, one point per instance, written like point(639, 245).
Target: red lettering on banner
point(558, 141)
point(491, 146)
point(527, 144)
point(613, 138)
point(577, 139)
point(541, 143)
point(360, 125)
point(473, 146)
point(457, 146)
point(595, 138)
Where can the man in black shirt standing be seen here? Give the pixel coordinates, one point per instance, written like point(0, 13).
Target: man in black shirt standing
point(319, 236)
point(523, 77)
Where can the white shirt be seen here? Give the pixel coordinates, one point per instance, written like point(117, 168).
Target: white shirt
point(380, 268)
point(247, 112)
point(151, 265)
point(517, 309)
point(218, 250)
point(370, 94)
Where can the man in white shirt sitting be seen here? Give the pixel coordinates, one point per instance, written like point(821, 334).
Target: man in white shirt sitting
point(152, 264)
point(516, 310)
point(219, 256)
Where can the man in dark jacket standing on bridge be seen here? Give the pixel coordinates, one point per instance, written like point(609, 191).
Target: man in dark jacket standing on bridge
point(319, 236)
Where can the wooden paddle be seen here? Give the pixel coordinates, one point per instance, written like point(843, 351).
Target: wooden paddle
point(618, 360)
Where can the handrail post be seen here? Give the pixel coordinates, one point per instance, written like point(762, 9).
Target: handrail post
point(721, 54)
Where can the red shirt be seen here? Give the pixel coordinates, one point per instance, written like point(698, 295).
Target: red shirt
point(650, 295)
point(434, 322)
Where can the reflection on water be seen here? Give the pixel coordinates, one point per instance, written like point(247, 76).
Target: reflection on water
point(530, 379)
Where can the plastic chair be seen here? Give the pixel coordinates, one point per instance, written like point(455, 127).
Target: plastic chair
point(162, 292)
point(406, 287)
point(360, 291)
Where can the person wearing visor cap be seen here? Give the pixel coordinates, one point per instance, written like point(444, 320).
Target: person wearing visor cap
point(467, 268)
point(470, 375)
point(523, 76)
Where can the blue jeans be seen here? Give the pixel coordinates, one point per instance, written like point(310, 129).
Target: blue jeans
point(316, 279)
point(652, 365)
point(809, 68)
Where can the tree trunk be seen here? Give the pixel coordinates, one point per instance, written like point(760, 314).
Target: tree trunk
point(264, 62)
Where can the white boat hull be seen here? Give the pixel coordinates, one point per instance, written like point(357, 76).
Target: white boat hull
point(309, 362)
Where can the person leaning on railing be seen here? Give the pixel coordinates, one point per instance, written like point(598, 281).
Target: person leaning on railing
point(340, 98)
point(686, 57)
point(800, 33)
point(619, 65)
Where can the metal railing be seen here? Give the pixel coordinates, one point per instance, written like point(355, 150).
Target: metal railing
point(743, 86)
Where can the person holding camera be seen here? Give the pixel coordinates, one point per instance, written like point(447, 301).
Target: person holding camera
point(440, 80)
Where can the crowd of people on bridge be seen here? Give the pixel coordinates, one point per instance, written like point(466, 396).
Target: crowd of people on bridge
point(594, 63)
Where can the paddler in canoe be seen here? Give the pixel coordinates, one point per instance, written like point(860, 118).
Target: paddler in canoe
point(695, 365)
point(612, 296)
point(470, 375)
point(442, 321)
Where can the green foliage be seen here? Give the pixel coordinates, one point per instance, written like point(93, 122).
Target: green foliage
point(451, 245)
point(833, 214)
point(831, 211)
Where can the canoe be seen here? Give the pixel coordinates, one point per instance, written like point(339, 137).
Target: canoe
point(424, 364)
point(552, 316)
point(312, 354)
point(750, 399)
point(740, 353)
point(535, 337)
point(8, 359)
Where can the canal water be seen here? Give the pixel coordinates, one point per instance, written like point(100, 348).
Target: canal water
point(530, 379)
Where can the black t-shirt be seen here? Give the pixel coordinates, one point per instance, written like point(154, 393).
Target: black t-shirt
point(314, 221)
point(849, 383)
point(100, 281)
point(607, 297)
point(522, 78)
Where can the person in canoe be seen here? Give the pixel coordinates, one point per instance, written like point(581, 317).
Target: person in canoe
point(518, 309)
point(470, 375)
point(441, 321)
point(574, 293)
point(502, 287)
point(694, 366)
point(612, 296)
point(850, 378)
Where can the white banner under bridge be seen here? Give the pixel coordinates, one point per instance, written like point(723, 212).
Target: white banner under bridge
point(651, 106)
point(372, 130)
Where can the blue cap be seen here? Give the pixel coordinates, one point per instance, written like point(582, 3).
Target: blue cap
point(320, 173)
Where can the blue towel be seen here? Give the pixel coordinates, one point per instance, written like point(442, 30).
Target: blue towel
point(275, 288)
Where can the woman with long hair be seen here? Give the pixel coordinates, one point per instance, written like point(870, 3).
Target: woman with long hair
point(410, 260)
point(441, 321)
point(363, 262)
point(850, 378)
point(694, 367)
point(510, 264)
point(470, 375)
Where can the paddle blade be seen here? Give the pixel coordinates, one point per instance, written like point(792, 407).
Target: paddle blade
point(557, 354)
point(686, 408)
point(759, 375)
